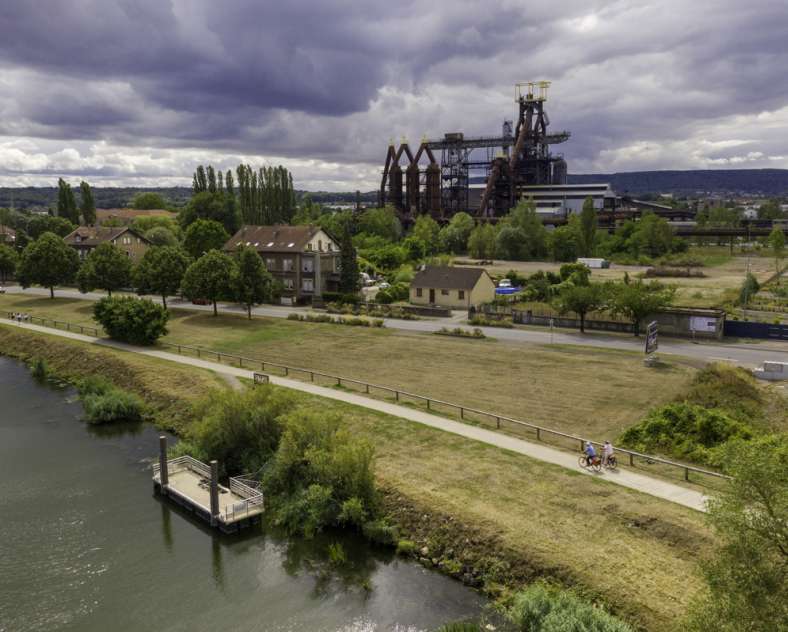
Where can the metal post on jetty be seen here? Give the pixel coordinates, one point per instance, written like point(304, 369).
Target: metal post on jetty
point(164, 478)
point(214, 491)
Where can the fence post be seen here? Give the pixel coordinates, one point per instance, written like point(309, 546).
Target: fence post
point(164, 478)
point(539, 434)
point(198, 352)
point(240, 362)
point(396, 395)
point(311, 376)
point(428, 404)
point(339, 381)
point(631, 459)
point(498, 422)
point(286, 371)
point(462, 413)
point(686, 474)
point(367, 385)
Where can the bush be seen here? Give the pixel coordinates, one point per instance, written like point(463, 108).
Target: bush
point(541, 608)
point(326, 318)
point(394, 293)
point(481, 321)
point(406, 547)
point(461, 333)
point(380, 532)
point(133, 320)
point(112, 405)
point(241, 430)
point(686, 431)
point(39, 369)
point(320, 475)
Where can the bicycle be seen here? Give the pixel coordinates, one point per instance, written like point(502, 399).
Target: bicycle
point(596, 463)
point(611, 463)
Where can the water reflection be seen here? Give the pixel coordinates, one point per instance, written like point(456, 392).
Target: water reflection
point(116, 429)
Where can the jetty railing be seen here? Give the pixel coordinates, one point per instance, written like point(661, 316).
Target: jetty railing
point(399, 395)
point(247, 489)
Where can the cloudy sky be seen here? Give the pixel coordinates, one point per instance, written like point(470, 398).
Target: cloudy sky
point(138, 92)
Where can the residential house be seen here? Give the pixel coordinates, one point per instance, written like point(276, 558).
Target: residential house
point(304, 258)
point(451, 286)
point(7, 235)
point(85, 238)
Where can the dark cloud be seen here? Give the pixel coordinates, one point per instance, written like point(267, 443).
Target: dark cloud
point(667, 85)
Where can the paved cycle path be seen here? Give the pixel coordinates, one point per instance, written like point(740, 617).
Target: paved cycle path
point(626, 478)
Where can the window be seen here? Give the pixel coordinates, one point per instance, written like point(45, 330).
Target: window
point(307, 264)
point(288, 284)
point(320, 244)
point(418, 292)
point(308, 285)
point(270, 264)
point(461, 295)
point(444, 292)
point(78, 238)
point(287, 265)
point(309, 246)
point(126, 240)
point(330, 246)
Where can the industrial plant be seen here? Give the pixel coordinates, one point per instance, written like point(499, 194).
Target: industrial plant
point(486, 176)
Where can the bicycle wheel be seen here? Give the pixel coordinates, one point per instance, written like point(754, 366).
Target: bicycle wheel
point(596, 466)
point(612, 463)
point(581, 461)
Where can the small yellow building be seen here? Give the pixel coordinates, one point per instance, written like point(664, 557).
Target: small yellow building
point(85, 239)
point(454, 287)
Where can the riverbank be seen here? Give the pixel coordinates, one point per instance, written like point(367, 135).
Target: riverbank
point(489, 517)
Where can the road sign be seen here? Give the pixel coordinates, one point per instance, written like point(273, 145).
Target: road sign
point(261, 378)
point(651, 337)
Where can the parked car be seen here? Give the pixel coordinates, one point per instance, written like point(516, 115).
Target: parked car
point(504, 283)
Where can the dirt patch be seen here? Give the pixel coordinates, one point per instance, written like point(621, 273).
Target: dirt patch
point(657, 528)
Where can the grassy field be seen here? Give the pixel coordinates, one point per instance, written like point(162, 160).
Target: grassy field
point(503, 510)
point(724, 274)
point(593, 392)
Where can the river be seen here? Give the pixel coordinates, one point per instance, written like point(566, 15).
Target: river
point(85, 545)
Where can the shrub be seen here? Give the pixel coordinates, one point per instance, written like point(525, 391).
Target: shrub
point(326, 318)
point(461, 333)
point(380, 532)
point(242, 430)
point(112, 405)
point(320, 475)
point(481, 321)
point(686, 430)
point(129, 319)
point(40, 369)
point(545, 609)
point(406, 547)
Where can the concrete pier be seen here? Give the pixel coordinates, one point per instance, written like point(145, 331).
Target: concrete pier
point(195, 486)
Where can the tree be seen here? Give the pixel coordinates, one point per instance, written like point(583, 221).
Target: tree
point(148, 200)
point(348, 263)
point(40, 224)
point(652, 236)
point(532, 233)
point(133, 320)
point(770, 210)
point(747, 578)
point(511, 243)
point(426, 229)
point(161, 270)
point(66, 204)
point(204, 235)
point(638, 300)
point(252, 282)
point(382, 222)
point(106, 267)
point(749, 288)
point(777, 244)
point(454, 236)
point(8, 261)
point(47, 261)
point(563, 243)
point(207, 205)
point(588, 224)
point(87, 206)
point(581, 299)
point(210, 277)
point(481, 242)
point(160, 236)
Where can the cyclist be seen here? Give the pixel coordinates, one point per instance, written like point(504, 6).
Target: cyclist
point(607, 452)
point(590, 453)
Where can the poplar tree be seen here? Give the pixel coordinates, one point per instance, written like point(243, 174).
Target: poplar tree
point(88, 206)
point(66, 204)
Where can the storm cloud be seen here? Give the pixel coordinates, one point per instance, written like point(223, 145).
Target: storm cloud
point(139, 92)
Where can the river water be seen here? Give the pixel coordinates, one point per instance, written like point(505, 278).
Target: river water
point(85, 545)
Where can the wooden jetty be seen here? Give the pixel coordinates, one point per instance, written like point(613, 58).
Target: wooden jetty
point(195, 486)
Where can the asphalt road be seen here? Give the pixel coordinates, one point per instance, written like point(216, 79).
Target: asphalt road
point(748, 355)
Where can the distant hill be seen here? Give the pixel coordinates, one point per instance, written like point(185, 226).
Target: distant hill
point(756, 182)
point(766, 182)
